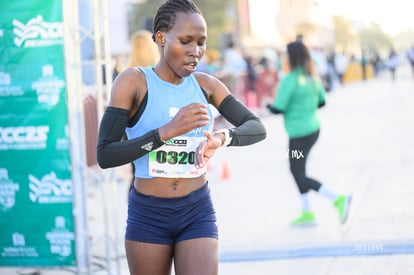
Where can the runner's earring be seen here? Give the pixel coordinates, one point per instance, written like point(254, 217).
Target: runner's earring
point(160, 38)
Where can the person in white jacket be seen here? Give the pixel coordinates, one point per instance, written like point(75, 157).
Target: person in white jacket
point(341, 63)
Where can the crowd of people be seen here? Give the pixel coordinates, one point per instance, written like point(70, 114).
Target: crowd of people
point(253, 78)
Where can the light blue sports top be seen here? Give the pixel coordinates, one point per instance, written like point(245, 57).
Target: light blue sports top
point(175, 159)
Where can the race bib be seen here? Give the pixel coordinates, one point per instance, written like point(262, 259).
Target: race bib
point(176, 158)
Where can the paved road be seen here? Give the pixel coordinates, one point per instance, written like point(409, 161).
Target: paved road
point(365, 149)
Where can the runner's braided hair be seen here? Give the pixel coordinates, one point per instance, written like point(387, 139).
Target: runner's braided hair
point(164, 19)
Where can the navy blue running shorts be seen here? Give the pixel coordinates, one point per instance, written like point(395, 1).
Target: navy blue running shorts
point(171, 220)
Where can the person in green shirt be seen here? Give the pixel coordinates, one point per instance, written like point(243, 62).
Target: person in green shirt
point(299, 95)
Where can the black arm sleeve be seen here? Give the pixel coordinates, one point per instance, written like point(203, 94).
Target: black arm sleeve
point(273, 110)
point(321, 104)
point(249, 129)
point(111, 151)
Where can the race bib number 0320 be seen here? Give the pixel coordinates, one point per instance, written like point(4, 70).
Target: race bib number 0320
point(176, 158)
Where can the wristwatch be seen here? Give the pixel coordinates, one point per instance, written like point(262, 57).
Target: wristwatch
point(228, 136)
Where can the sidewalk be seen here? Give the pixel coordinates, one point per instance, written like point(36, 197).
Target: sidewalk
point(365, 149)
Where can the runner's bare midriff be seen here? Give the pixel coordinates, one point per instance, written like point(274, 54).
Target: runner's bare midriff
point(169, 187)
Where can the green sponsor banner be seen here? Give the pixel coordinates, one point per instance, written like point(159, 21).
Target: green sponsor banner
point(36, 196)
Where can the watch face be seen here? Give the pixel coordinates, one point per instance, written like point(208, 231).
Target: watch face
point(228, 137)
point(230, 133)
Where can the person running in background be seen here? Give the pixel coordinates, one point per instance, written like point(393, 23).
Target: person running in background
point(410, 57)
point(164, 111)
point(300, 93)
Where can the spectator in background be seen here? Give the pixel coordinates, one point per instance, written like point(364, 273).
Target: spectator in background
point(268, 79)
point(341, 63)
point(322, 67)
point(210, 63)
point(364, 62)
point(144, 51)
point(119, 66)
point(234, 66)
point(251, 79)
point(410, 57)
point(392, 63)
point(376, 63)
point(234, 62)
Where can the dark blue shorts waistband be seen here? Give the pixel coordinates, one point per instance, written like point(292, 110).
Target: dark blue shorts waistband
point(191, 198)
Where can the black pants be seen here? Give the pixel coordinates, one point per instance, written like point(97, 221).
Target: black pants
point(299, 149)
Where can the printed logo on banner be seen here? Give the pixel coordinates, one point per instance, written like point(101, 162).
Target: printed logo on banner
point(62, 143)
point(5, 86)
point(8, 190)
point(33, 130)
point(5, 78)
point(60, 238)
point(48, 86)
point(50, 189)
point(23, 137)
point(37, 33)
point(19, 248)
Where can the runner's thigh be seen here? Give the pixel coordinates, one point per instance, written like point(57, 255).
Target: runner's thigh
point(196, 256)
point(147, 258)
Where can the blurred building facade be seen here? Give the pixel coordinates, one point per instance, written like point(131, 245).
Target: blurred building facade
point(305, 17)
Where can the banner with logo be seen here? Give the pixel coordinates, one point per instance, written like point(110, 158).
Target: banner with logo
point(36, 221)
